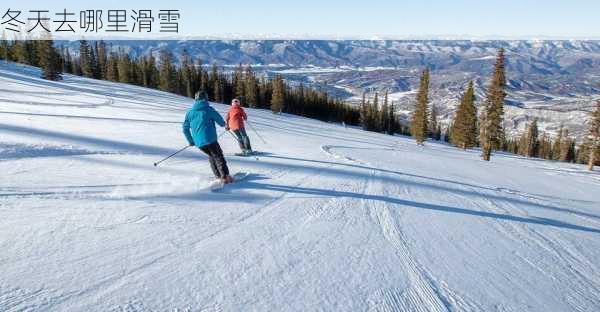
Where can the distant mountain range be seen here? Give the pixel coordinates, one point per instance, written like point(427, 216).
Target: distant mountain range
point(553, 80)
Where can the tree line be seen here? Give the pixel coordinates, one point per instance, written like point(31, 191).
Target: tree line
point(469, 128)
point(483, 128)
point(98, 60)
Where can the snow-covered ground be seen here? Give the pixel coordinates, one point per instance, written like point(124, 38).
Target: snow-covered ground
point(331, 218)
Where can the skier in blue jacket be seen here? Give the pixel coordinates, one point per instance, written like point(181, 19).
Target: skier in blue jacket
point(199, 130)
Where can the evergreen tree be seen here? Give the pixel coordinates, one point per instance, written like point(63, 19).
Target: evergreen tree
point(102, 56)
point(68, 61)
point(124, 73)
point(31, 51)
point(594, 135)
point(112, 69)
point(187, 74)
point(491, 132)
point(433, 122)
point(545, 147)
point(392, 122)
point(463, 132)
point(364, 118)
point(566, 147)
point(251, 88)
point(18, 52)
point(438, 133)
point(572, 151)
point(49, 61)
point(278, 97)
point(218, 92)
point(150, 72)
point(556, 148)
point(85, 59)
point(530, 148)
point(419, 126)
point(383, 114)
point(204, 82)
point(375, 121)
point(239, 83)
point(582, 153)
point(4, 47)
point(167, 71)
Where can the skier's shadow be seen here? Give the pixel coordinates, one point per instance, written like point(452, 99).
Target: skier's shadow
point(256, 181)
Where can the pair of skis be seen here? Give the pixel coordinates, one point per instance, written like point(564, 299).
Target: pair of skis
point(251, 154)
point(219, 184)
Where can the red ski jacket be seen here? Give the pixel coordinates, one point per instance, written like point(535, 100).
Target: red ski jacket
point(235, 117)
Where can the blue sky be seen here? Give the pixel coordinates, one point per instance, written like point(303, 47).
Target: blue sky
point(365, 19)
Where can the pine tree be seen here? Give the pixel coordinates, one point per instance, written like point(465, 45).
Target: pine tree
point(68, 61)
point(556, 148)
point(419, 126)
point(239, 83)
point(565, 148)
point(18, 52)
point(383, 114)
point(187, 74)
point(433, 122)
point(530, 148)
point(124, 73)
point(30, 48)
point(4, 47)
point(204, 82)
point(166, 72)
point(102, 56)
point(213, 82)
point(492, 133)
point(49, 59)
point(218, 92)
point(277, 98)
point(85, 59)
point(251, 88)
point(112, 69)
point(438, 133)
point(545, 147)
point(572, 151)
point(582, 153)
point(392, 123)
point(463, 132)
point(364, 112)
point(594, 135)
point(374, 120)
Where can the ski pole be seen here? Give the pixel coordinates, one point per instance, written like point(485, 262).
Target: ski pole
point(256, 132)
point(179, 151)
point(233, 135)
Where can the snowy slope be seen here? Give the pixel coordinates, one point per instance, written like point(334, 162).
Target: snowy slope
point(330, 218)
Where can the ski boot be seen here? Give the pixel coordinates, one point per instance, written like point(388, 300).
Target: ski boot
point(227, 179)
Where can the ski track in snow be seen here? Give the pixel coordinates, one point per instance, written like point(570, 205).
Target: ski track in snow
point(423, 293)
point(330, 218)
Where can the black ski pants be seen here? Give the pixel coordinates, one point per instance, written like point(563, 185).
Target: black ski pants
point(216, 159)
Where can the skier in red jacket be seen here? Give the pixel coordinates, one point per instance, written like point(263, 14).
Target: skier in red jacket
point(234, 121)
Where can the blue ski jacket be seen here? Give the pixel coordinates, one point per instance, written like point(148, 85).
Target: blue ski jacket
point(199, 124)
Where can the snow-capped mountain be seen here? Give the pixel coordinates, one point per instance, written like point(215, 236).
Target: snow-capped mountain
point(554, 80)
point(330, 218)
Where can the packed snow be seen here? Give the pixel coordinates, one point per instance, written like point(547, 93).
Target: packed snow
point(330, 217)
